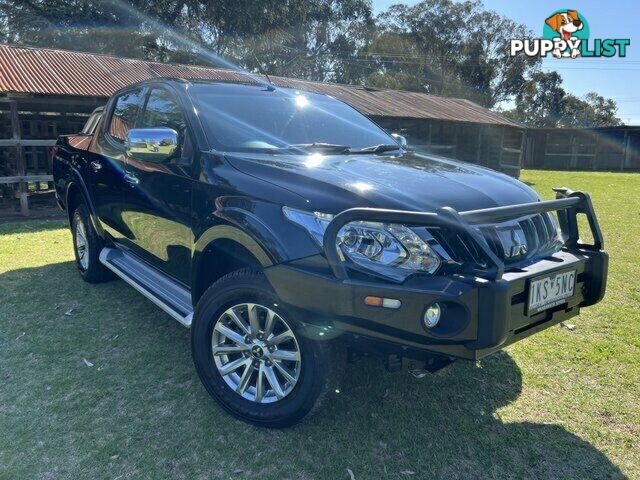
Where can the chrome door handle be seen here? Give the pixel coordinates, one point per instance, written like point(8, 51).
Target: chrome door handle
point(95, 165)
point(131, 178)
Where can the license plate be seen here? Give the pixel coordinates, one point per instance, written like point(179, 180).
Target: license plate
point(550, 291)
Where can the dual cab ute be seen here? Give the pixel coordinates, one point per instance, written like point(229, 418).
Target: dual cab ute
point(277, 224)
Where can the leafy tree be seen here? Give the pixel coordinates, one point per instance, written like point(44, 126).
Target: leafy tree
point(539, 103)
point(591, 111)
point(310, 39)
point(443, 47)
point(542, 102)
point(287, 37)
point(101, 27)
point(448, 48)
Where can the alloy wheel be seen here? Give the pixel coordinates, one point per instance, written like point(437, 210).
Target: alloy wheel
point(82, 246)
point(256, 353)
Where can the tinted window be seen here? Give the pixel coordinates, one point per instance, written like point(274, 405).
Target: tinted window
point(248, 118)
point(163, 111)
point(125, 113)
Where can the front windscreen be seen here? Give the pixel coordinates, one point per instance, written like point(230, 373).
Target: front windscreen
point(245, 118)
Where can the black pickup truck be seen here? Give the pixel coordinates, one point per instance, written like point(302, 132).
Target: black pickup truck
point(278, 224)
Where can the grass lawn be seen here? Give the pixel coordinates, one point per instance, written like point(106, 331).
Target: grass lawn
point(96, 382)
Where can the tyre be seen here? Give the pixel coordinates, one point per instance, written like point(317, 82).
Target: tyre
point(87, 246)
point(253, 357)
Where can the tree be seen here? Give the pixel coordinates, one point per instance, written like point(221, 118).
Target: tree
point(443, 47)
point(311, 39)
point(288, 37)
point(539, 103)
point(591, 111)
point(31, 23)
point(448, 48)
point(126, 29)
point(542, 102)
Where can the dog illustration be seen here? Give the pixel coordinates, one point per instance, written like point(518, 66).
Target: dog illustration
point(565, 24)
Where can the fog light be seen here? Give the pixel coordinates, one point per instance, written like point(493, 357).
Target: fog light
point(432, 316)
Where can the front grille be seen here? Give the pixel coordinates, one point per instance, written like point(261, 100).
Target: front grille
point(523, 239)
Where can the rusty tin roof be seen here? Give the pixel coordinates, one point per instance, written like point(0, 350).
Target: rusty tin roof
point(47, 71)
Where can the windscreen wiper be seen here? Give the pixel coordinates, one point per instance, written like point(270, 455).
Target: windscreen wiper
point(383, 147)
point(334, 147)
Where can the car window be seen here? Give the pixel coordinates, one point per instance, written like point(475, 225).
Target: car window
point(92, 121)
point(245, 118)
point(163, 111)
point(124, 114)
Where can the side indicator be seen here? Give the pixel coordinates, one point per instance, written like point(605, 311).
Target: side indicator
point(382, 302)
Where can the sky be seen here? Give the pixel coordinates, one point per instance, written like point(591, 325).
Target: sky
point(615, 77)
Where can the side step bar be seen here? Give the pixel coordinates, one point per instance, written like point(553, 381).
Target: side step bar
point(164, 292)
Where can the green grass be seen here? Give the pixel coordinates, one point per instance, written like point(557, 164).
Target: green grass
point(561, 404)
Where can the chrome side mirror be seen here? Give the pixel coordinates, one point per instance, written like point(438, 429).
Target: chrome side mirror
point(151, 144)
point(400, 140)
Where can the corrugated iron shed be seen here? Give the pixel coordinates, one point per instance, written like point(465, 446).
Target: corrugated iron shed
point(61, 72)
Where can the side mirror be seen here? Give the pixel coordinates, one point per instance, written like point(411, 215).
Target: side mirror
point(400, 140)
point(151, 144)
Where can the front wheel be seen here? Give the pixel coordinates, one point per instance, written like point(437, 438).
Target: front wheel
point(253, 357)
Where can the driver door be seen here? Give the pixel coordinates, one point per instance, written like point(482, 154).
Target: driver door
point(106, 161)
point(157, 203)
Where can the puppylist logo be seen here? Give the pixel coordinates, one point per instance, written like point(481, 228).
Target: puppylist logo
point(566, 35)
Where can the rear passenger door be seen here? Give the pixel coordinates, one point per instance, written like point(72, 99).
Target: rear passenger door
point(106, 160)
point(157, 206)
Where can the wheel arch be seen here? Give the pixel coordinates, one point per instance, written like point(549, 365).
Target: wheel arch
point(75, 192)
point(221, 250)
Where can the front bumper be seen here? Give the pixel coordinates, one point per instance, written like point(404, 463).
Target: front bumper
point(482, 313)
point(487, 314)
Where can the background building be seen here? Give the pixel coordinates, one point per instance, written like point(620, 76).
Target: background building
point(45, 93)
point(610, 148)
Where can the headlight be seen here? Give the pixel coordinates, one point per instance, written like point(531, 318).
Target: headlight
point(389, 249)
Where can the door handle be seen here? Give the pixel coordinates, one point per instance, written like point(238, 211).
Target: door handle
point(95, 165)
point(131, 178)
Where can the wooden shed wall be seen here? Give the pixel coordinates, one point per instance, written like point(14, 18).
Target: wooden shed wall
point(29, 126)
point(494, 146)
point(616, 148)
